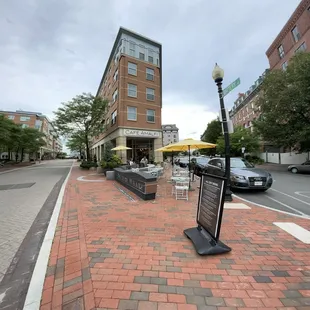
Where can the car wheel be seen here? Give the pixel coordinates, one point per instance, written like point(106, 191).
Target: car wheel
point(294, 170)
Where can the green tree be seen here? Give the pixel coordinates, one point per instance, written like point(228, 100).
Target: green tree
point(108, 153)
point(76, 143)
point(240, 138)
point(83, 114)
point(285, 105)
point(14, 138)
point(211, 135)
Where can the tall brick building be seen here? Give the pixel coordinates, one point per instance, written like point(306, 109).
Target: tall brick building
point(132, 83)
point(294, 37)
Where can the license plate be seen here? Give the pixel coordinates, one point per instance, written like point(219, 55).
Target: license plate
point(258, 183)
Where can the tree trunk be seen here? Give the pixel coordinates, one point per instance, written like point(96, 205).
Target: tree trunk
point(87, 149)
point(80, 150)
point(22, 155)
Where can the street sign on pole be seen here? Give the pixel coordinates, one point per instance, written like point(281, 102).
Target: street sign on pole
point(231, 87)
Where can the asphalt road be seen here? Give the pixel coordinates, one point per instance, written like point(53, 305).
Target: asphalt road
point(289, 192)
point(27, 200)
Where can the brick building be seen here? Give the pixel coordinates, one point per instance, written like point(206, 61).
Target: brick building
point(132, 83)
point(42, 123)
point(245, 109)
point(170, 134)
point(294, 37)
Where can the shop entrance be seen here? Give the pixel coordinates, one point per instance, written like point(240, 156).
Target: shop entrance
point(140, 148)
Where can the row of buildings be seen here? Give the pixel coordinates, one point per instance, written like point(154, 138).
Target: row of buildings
point(53, 144)
point(132, 84)
point(294, 37)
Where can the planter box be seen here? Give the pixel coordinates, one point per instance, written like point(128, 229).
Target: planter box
point(99, 170)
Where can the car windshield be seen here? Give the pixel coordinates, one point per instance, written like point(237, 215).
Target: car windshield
point(202, 161)
point(239, 163)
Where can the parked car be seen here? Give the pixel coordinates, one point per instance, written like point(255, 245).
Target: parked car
point(243, 175)
point(200, 164)
point(183, 162)
point(302, 168)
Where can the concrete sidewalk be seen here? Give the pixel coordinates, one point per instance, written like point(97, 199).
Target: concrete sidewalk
point(113, 251)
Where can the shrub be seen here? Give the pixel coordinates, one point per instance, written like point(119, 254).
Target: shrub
point(114, 162)
point(88, 164)
point(254, 160)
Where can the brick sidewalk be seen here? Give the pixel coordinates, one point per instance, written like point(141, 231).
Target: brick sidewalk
point(110, 252)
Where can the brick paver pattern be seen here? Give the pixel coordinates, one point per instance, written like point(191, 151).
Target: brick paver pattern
point(113, 253)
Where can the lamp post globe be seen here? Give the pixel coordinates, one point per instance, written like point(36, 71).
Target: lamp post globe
point(218, 75)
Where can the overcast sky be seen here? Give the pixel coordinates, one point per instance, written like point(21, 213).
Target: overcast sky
point(52, 50)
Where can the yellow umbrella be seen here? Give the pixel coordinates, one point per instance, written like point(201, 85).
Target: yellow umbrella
point(121, 148)
point(162, 149)
point(188, 145)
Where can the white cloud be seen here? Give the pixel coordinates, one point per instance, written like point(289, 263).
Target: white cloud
point(51, 51)
point(190, 116)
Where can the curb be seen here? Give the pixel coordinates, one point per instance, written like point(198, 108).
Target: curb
point(34, 294)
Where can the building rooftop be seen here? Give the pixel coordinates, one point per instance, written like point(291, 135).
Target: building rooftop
point(121, 31)
point(303, 5)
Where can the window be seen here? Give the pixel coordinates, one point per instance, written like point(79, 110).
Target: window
point(132, 90)
point(115, 95)
point(11, 116)
point(296, 34)
point(38, 124)
point(132, 68)
point(150, 56)
point(150, 94)
point(113, 117)
point(141, 56)
point(131, 113)
point(150, 116)
point(24, 118)
point(115, 77)
point(281, 51)
point(284, 65)
point(25, 125)
point(149, 74)
point(132, 49)
point(301, 48)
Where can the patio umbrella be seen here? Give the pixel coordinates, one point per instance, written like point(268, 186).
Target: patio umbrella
point(164, 149)
point(188, 145)
point(121, 148)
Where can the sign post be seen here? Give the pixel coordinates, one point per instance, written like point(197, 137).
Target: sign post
point(205, 236)
point(231, 87)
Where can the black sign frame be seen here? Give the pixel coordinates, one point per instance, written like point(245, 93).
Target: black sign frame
point(220, 203)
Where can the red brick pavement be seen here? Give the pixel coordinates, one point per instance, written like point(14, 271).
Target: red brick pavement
point(110, 252)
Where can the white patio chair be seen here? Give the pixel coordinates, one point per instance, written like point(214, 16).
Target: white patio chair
point(181, 190)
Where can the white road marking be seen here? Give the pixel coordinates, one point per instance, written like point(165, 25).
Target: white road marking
point(295, 230)
point(272, 209)
point(302, 201)
point(302, 194)
point(236, 206)
point(285, 205)
point(34, 293)
point(82, 179)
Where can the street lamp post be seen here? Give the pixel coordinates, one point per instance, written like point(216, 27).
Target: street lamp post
point(218, 75)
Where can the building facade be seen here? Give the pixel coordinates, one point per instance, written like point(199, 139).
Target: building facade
point(170, 134)
point(132, 84)
point(37, 120)
point(294, 37)
point(245, 109)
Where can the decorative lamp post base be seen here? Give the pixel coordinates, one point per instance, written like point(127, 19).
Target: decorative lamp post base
point(228, 194)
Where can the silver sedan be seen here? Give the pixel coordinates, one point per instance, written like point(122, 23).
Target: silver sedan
point(303, 168)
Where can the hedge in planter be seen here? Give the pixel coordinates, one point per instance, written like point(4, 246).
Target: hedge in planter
point(88, 164)
point(113, 162)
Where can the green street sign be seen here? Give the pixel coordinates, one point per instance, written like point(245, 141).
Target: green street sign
point(231, 86)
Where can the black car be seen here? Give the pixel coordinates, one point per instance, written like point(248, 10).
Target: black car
point(183, 162)
point(200, 165)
